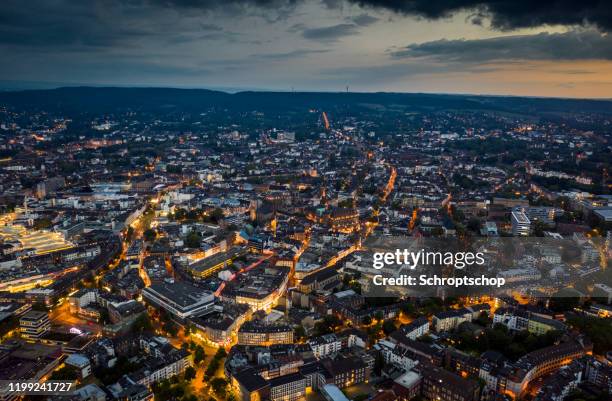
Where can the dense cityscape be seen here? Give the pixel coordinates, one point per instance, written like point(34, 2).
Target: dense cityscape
point(221, 252)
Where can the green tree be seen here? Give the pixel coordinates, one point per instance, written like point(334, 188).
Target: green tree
point(129, 234)
point(483, 319)
point(221, 353)
point(564, 300)
point(299, 332)
point(388, 327)
point(42, 223)
point(211, 369)
point(149, 235)
point(142, 323)
point(598, 330)
point(171, 328)
point(219, 386)
point(193, 240)
point(190, 373)
point(198, 355)
point(216, 215)
point(408, 308)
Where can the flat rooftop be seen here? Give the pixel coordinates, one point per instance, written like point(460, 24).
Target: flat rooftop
point(408, 379)
point(605, 214)
point(179, 292)
point(520, 217)
point(34, 315)
point(214, 260)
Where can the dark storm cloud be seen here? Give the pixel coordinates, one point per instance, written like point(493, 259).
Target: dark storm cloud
point(573, 45)
point(271, 10)
point(79, 26)
point(104, 23)
point(97, 25)
point(330, 33)
point(45, 25)
point(506, 14)
point(72, 25)
point(209, 4)
point(282, 7)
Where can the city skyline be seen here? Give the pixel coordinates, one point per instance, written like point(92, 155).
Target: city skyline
point(558, 49)
point(294, 200)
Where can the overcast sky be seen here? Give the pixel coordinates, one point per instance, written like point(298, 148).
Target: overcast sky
point(517, 47)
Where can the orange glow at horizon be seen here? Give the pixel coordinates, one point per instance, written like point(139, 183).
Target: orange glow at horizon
point(559, 78)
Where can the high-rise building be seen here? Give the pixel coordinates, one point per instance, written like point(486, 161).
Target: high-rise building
point(521, 225)
point(49, 186)
point(34, 324)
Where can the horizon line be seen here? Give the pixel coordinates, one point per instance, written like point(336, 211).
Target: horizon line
point(236, 90)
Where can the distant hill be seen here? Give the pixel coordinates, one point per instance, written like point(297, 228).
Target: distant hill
point(108, 99)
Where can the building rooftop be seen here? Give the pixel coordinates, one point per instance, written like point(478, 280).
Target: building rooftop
point(605, 214)
point(520, 217)
point(408, 379)
point(319, 276)
point(290, 378)
point(257, 327)
point(179, 292)
point(34, 315)
point(213, 261)
point(250, 380)
point(334, 393)
point(448, 380)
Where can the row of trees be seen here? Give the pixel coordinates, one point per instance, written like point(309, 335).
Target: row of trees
point(177, 389)
point(195, 215)
point(174, 388)
point(598, 330)
point(215, 363)
point(499, 338)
